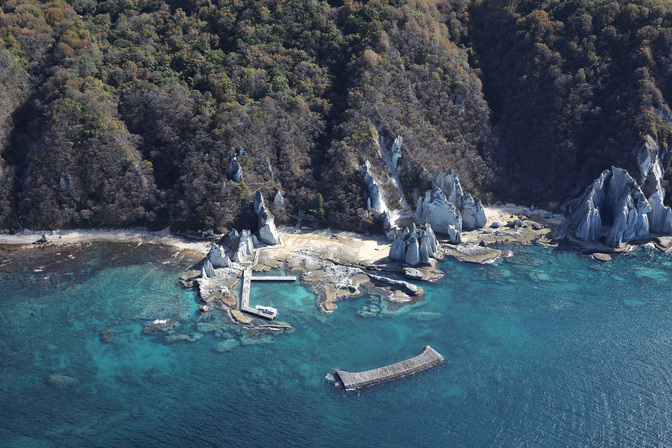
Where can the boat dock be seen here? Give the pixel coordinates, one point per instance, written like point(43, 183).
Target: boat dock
point(247, 280)
point(356, 380)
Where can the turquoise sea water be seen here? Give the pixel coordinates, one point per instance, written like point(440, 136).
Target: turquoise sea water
point(545, 349)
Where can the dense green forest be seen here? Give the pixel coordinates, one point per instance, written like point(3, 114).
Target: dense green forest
point(119, 112)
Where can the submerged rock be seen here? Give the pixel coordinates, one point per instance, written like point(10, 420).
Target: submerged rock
point(62, 381)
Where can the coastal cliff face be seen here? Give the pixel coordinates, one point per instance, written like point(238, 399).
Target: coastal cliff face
point(617, 210)
point(108, 119)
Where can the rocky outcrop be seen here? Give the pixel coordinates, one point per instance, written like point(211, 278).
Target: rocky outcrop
point(397, 250)
point(395, 153)
point(245, 246)
point(412, 250)
point(408, 287)
point(585, 212)
point(266, 163)
point(473, 213)
point(279, 201)
point(207, 270)
point(433, 243)
point(651, 178)
point(448, 182)
point(414, 247)
point(616, 200)
point(443, 215)
point(231, 240)
point(267, 232)
point(626, 208)
point(235, 170)
point(629, 208)
point(471, 209)
point(218, 258)
point(375, 202)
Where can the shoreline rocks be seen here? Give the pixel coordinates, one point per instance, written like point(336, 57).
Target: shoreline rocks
point(621, 210)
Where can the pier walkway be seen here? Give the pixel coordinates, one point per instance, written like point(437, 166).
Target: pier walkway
point(356, 380)
point(248, 278)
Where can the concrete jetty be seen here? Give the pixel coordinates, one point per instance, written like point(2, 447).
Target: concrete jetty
point(247, 280)
point(356, 380)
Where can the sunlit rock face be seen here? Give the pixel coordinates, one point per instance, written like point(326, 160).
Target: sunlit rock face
point(414, 247)
point(616, 201)
point(442, 215)
point(651, 178)
point(218, 258)
point(620, 208)
point(267, 232)
point(471, 209)
point(376, 202)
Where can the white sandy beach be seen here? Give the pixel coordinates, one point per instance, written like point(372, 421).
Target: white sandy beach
point(329, 243)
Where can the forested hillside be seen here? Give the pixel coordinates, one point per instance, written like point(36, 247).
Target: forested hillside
point(155, 112)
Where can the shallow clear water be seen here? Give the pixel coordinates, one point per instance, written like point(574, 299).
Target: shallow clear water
point(548, 348)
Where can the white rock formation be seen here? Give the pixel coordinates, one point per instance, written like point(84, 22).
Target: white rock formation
point(245, 246)
point(473, 213)
point(279, 201)
point(218, 258)
point(449, 184)
point(396, 153)
point(267, 232)
point(442, 215)
point(651, 178)
point(424, 249)
point(207, 270)
point(613, 199)
point(412, 250)
point(376, 202)
point(433, 243)
point(235, 170)
point(414, 247)
point(397, 250)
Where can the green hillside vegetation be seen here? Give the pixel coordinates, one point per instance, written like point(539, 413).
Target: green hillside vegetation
point(117, 113)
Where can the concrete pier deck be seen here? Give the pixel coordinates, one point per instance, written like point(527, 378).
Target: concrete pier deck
point(356, 380)
point(247, 280)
